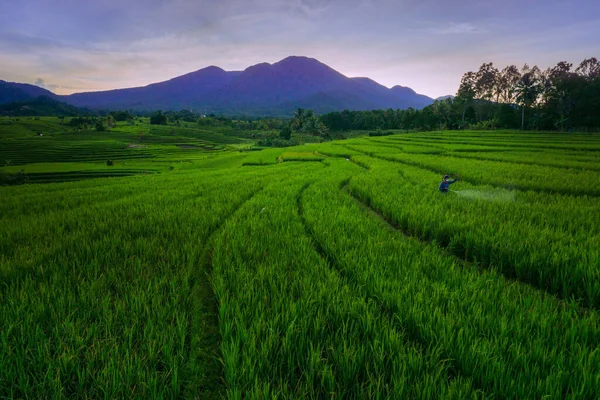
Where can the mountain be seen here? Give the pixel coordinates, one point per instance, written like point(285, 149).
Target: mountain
point(41, 106)
point(263, 89)
point(445, 97)
point(184, 92)
point(416, 100)
point(11, 92)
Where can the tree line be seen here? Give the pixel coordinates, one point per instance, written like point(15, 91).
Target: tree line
point(559, 98)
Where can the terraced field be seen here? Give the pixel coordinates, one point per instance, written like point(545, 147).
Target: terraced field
point(63, 154)
point(333, 270)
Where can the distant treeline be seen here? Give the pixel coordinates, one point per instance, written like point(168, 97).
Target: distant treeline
point(559, 98)
point(212, 120)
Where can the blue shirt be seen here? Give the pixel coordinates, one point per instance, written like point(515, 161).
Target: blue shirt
point(444, 186)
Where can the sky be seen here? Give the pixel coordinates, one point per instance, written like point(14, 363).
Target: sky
point(72, 46)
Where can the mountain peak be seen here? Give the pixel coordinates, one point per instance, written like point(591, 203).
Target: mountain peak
point(298, 59)
point(211, 72)
point(212, 68)
point(297, 62)
point(258, 67)
point(403, 89)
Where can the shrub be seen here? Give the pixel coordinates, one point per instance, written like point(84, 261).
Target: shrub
point(18, 178)
point(380, 132)
point(285, 133)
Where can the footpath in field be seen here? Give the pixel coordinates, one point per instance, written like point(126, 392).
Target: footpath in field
point(326, 270)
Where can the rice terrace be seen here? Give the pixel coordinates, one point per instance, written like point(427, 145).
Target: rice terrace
point(307, 199)
point(195, 268)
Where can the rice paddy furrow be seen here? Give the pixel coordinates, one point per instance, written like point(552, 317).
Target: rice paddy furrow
point(436, 300)
point(444, 246)
point(590, 192)
point(205, 369)
point(413, 337)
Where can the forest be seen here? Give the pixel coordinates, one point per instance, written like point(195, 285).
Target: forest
point(560, 98)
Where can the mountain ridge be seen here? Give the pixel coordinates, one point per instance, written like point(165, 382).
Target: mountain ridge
point(41, 106)
point(261, 89)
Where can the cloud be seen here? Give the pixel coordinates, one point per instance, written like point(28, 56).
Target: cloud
point(40, 82)
point(425, 44)
point(457, 29)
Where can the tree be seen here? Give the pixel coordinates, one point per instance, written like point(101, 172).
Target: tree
point(508, 117)
point(561, 87)
point(589, 69)
point(100, 127)
point(442, 109)
point(286, 132)
point(110, 122)
point(299, 119)
point(121, 116)
point(158, 118)
point(486, 81)
point(527, 90)
point(507, 84)
point(466, 92)
point(313, 126)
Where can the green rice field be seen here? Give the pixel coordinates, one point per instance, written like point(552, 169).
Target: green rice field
point(192, 268)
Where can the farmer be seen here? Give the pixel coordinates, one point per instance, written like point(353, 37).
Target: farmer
point(445, 185)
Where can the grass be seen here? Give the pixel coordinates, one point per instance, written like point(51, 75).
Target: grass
point(301, 156)
point(550, 159)
point(193, 268)
point(528, 235)
point(477, 318)
point(511, 175)
point(293, 327)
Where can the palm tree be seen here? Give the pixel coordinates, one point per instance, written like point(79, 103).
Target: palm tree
point(313, 126)
point(298, 118)
point(500, 87)
point(297, 122)
point(527, 90)
point(110, 121)
point(301, 116)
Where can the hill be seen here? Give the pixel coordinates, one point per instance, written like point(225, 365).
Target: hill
point(11, 92)
point(41, 106)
